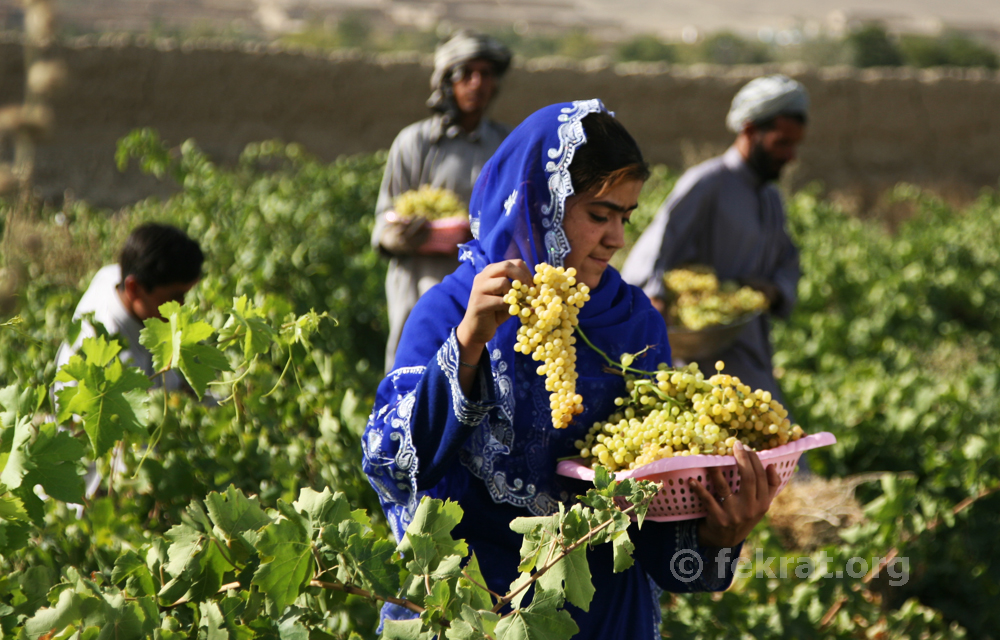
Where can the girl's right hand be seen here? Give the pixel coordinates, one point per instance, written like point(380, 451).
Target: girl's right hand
point(487, 310)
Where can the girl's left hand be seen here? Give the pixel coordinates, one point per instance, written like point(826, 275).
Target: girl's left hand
point(732, 516)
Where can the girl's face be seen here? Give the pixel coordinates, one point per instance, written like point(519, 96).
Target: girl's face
point(595, 227)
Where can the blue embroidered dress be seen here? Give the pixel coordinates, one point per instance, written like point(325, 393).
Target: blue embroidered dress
point(494, 451)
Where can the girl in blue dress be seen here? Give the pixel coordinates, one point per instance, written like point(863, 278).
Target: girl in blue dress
point(463, 417)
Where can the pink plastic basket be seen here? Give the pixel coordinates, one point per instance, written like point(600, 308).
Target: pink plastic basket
point(676, 501)
point(445, 233)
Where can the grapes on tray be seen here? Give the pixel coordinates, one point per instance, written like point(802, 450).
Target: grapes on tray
point(430, 202)
point(697, 299)
point(678, 412)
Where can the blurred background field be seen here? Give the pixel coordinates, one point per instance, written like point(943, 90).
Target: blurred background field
point(888, 32)
point(894, 347)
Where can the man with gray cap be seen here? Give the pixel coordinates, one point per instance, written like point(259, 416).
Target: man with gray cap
point(727, 213)
point(447, 151)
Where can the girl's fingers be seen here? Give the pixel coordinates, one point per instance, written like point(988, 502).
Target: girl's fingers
point(760, 475)
point(715, 511)
point(773, 481)
point(748, 477)
point(722, 490)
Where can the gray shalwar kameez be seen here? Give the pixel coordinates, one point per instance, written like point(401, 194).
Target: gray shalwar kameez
point(721, 215)
point(445, 156)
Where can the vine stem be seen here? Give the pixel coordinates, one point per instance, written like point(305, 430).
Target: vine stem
point(336, 586)
point(158, 432)
point(566, 551)
point(616, 365)
point(481, 586)
point(224, 588)
point(889, 557)
point(225, 556)
point(283, 372)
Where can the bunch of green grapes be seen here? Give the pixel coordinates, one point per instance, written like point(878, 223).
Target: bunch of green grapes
point(430, 202)
point(698, 300)
point(696, 278)
point(548, 309)
point(678, 412)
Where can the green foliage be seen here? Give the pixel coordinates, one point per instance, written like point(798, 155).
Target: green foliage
point(107, 393)
point(728, 48)
point(951, 49)
point(871, 47)
point(239, 516)
point(283, 235)
point(646, 48)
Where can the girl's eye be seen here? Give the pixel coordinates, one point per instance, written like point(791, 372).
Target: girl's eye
point(597, 218)
point(626, 221)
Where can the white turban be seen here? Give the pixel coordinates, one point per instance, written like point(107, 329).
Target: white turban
point(463, 46)
point(765, 98)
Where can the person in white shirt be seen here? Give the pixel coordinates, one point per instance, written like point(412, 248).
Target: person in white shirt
point(447, 150)
point(158, 264)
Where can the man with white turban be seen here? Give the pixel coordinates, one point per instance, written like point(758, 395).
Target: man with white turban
point(447, 150)
point(728, 214)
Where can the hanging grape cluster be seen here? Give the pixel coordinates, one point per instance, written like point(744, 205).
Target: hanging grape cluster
point(698, 300)
point(548, 308)
point(677, 412)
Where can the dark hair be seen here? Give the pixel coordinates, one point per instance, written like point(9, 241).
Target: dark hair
point(769, 123)
point(159, 254)
point(609, 156)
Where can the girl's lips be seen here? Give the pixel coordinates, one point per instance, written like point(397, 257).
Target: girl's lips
point(600, 260)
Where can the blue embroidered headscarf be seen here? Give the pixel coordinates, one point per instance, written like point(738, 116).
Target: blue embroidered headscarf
point(508, 442)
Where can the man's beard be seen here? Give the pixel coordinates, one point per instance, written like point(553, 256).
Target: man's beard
point(762, 164)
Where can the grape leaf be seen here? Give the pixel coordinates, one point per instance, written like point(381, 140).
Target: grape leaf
point(124, 620)
point(288, 564)
point(107, 395)
point(372, 559)
point(448, 567)
point(537, 537)
point(543, 619)
point(299, 330)
point(602, 478)
point(54, 459)
point(323, 509)
point(291, 629)
point(17, 461)
point(213, 621)
point(472, 625)
point(436, 602)
point(471, 591)
point(571, 576)
point(437, 518)
point(65, 611)
point(196, 565)
point(623, 548)
point(11, 507)
point(130, 566)
point(13, 534)
point(424, 552)
point(521, 580)
point(234, 514)
point(18, 405)
point(247, 322)
point(175, 343)
point(406, 630)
